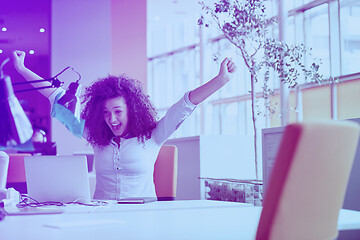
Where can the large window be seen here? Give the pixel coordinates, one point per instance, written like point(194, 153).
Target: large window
point(350, 36)
point(181, 58)
point(317, 35)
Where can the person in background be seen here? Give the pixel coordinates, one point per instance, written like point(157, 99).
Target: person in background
point(122, 127)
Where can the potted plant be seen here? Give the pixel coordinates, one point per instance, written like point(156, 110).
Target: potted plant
point(246, 24)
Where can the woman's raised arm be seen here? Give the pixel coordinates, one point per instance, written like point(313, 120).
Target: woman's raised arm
point(227, 68)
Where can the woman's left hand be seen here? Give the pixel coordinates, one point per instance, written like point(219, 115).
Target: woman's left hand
point(227, 69)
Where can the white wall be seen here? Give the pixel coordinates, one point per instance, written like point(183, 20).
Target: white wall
point(80, 38)
point(188, 181)
point(218, 156)
point(227, 156)
point(128, 38)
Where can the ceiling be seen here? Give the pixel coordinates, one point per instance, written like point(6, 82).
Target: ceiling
point(23, 20)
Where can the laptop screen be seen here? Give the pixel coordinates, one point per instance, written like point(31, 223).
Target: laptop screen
point(58, 178)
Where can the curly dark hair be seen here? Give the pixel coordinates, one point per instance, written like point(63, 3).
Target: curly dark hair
point(141, 113)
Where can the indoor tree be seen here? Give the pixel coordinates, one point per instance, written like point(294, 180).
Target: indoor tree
point(247, 24)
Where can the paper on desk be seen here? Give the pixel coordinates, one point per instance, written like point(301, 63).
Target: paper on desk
point(83, 223)
point(33, 210)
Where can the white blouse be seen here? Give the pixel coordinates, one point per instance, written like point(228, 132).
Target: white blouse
point(126, 170)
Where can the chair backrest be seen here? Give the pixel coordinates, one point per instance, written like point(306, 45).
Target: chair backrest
point(16, 170)
point(308, 182)
point(165, 173)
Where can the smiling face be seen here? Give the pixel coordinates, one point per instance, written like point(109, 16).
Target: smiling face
point(116, 115)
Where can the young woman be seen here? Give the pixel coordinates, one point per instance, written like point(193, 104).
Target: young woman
point(121, 126)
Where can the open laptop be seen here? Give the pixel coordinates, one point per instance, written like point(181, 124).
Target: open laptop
point(58, 178)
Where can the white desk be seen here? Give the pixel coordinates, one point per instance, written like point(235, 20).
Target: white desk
point(198, 219)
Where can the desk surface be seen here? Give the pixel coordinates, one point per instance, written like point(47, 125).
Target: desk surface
point(198, 219)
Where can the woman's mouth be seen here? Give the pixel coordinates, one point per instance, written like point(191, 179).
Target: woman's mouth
point(116, 127)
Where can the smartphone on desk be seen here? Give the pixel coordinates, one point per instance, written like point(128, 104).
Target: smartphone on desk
point(136, 200)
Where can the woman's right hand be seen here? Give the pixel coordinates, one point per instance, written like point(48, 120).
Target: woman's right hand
point(18, 60)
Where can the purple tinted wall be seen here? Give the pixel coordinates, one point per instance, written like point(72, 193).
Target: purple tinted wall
point(22, 21)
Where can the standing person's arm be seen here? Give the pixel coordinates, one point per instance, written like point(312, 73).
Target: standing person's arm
point(227, 68)
point(18, 59)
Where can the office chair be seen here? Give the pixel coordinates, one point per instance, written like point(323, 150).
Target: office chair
point(308, 182)
point(165, 173)
point(16, 172)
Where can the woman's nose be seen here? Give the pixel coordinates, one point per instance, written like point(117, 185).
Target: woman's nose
point(112, 117)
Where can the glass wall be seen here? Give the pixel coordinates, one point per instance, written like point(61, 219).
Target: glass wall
point(316, 24)
point(181, 57)
point(350, 36)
